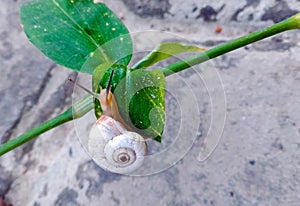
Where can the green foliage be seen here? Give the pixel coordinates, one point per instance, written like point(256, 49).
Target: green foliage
point(140, 99)
point(88, 37)
point(164, 51)
point(72, 31)
point(139, 95)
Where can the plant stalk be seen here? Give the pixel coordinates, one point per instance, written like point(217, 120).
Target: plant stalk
point(84, 105)
point(79, 109)
point(285, 25)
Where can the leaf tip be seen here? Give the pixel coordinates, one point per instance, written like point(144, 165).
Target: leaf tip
point(158, 139)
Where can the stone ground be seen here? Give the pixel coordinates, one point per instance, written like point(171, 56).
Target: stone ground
point(257, 160)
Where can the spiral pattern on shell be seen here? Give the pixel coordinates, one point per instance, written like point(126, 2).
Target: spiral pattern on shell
point(114, 148)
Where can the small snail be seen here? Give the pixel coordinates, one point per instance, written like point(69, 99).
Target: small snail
point(114, 148)
point(110, 144)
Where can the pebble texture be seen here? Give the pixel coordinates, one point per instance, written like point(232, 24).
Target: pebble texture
point(257, 160)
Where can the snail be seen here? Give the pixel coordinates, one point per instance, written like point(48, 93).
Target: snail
point(114, 148)
point(111, 144)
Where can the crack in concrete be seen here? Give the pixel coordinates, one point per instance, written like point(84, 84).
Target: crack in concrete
point(249, 3)
point(208, 13)
point(57, 100)
point(5, 183)
point(9, 131)
point(33, 98)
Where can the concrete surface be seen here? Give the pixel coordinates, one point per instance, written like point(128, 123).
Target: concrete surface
point(257, 161)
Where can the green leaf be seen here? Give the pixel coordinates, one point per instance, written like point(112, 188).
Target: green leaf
point(101, 78)
point(96, 86)
point(72, 31)
point(102, 74)
point(164, 51)
point(140, 100)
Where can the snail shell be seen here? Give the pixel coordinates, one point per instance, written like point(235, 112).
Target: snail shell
point(114, 148)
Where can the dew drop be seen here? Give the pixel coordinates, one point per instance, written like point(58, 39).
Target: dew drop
point(153, 96)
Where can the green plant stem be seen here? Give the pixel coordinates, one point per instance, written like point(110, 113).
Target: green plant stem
point(288, 24)
point(29, 135)
point(79, 109)
point(84, 105)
